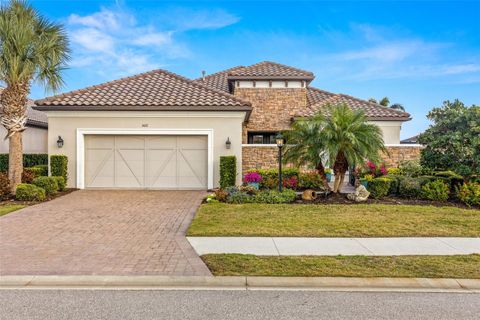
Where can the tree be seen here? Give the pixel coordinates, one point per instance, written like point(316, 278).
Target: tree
point(349, 140)
point(306, 145)
point(384, 102)
point(373, 100)
point(397, 106)
point(452, 142)
point(31, 49)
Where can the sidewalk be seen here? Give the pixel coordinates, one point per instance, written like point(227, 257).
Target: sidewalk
point(278, 246)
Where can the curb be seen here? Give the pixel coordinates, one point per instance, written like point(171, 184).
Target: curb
point(240, 283)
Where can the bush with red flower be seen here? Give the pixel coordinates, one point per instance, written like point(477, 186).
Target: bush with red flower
point(252, 177)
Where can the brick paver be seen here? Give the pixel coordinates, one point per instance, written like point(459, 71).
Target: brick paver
point(112, 232)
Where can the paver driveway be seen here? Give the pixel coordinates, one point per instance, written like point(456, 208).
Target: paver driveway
point(103, 232)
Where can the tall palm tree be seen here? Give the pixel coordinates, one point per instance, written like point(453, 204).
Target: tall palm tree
point(31, 49)
point(305, 145)
point(397, 106)
point(349, 139)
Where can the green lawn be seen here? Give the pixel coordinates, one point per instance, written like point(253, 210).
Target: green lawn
point(7, 208)
point(466, 266)
point(370, 220)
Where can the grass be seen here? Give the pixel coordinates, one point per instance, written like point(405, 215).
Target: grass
point(464, 266)
point(372, 220)
point(7, 208)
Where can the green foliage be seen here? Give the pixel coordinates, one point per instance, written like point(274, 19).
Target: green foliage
point(59, 166)
point(29, 192)
point(409, 187)
point(435, 190)
point(310, 180)
point(453, 141)
point(61, 183)
point(410, 168)
point(42, 169)
point(394, 184)
point(451, 178)
point(469, 193)
point(273, 196)
point(49, 184)
point(228, 171)
point(379, 187)
point(4, 186)
point(28, 175)
point(270, 176)
point(29, 160)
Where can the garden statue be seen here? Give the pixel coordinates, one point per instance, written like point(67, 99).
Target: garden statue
point(361, 193)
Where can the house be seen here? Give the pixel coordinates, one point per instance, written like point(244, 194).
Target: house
point(34, 137)
point(160, 130)
point(411, 140)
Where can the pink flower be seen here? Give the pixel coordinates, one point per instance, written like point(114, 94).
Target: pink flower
point(252, 177)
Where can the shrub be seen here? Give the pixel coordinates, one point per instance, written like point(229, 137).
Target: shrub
point(451, 178)
point(273, 196)
point(249, 190)
point(411, 168)
point(469, 193)
point(252, 177)
point(270, 176)
point(240, 197)
point(409, 187)
point(310, 180)
point(290, 183)
point(41, 169)
point(59, 166)
point(62, 185)
point(379, 187)
point(435, 190)
point(394, 184)
point(29, 192)
point(4, 186)
point(28, 175)
point(393, 171)
point(221, 195)
point(228, 171)
point(49, 184)
point(29, 160)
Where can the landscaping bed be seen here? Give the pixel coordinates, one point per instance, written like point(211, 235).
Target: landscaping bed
point(460, 266)
point(334, 220)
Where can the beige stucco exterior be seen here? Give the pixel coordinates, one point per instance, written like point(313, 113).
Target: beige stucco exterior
point(223, 125)
point(390, 131)
point(34, 140)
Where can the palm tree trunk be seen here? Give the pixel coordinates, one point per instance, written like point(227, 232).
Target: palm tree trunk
point(321, 171)
point(15, 160)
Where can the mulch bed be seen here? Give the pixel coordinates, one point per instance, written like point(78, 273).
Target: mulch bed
point(31, 203)
point(342, 199)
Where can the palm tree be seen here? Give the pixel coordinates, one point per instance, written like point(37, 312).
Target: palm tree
point(31, 49)
point(306, 146)
point(398, 106)
point(384, 102)
point(349, 139)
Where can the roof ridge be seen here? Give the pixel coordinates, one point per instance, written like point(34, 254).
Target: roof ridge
point(218, 73)
point(285, 65)
point(375, 104)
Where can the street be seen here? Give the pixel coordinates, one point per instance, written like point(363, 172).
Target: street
point(153, 304)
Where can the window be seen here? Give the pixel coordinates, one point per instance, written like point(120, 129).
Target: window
point(262, 137)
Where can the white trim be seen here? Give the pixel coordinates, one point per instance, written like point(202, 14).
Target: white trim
point(259, 145)
point(403, 145)
point(144, 114)
point(81, 132)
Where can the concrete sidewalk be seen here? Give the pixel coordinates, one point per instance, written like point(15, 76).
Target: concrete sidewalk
point(283, 246)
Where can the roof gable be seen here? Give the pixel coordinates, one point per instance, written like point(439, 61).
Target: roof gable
point(269, 70)
point(157, 89)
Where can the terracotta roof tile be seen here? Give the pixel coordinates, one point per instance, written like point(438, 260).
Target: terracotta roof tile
point(154, 90)
point(270, 69)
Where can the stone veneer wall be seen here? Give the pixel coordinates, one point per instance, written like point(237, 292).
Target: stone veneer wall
point(398, 154)
point(273, 108)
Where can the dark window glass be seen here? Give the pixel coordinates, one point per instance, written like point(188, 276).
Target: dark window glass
point(262, 137)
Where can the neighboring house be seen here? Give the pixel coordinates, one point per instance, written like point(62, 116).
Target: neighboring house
point(161, 130)
point(411, 140)
point(34, 137)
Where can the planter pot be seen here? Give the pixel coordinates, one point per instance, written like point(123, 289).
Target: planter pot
point(255, 185)
point(329, 177)
point(364, 183)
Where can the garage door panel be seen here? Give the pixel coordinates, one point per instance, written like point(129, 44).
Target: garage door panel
point(99, 142)
point(161, 168)
point(100, 170)
point(130, 168)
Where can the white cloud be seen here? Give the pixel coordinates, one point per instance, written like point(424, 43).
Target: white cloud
point(93, 40)
point(154, 39)
point(185, 19)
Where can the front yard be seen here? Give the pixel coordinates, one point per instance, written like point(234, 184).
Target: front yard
point(372, 220)
point(462, 266)
point(7, 208)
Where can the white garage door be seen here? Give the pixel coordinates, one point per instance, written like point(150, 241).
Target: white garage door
point(152, 162)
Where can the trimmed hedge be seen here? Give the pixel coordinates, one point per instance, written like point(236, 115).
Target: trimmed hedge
point(61, 183)
point(270, 176)
point(435, 190)
point(409, 187)
point(49, 184)
point(266, 196)
point(29, 160)
point(228, 171)
point(379, 187)
point(469, 193)
point(29, 192)
point(59, 166)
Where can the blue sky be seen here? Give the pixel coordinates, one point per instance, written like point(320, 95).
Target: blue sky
point(417, 53)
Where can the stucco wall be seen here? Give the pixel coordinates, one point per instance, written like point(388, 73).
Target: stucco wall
point(34, 140)
point(224, 124)
point(390, 131)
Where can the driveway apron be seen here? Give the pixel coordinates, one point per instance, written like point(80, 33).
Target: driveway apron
point(105, 232)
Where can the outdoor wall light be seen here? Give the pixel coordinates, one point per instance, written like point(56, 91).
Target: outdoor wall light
point(60, 142)
point(228, 144)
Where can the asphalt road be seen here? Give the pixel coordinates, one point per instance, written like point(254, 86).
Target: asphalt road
point(278, 305)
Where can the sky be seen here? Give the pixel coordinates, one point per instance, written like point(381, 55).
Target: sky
point(417, 53)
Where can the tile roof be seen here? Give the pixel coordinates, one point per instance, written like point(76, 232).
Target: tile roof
point(218, 80)
point(154, 90)
point(34, 117)
point(318, 99)
point(267, 69)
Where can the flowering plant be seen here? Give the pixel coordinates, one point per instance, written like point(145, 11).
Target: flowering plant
point(252, 177)
point(372, 169)
point(290, 183)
